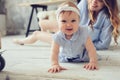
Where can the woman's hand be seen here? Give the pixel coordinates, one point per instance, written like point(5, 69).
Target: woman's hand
point(56, 68)
point(91, 66)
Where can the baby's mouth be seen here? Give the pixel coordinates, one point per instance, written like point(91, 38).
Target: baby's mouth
point(70, 29)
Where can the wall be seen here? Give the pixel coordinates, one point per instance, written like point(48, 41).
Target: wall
point(18, 16)
point(2, 18)
point(2, 25)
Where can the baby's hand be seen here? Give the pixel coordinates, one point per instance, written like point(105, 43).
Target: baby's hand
point(56, 68)
point(91, 66)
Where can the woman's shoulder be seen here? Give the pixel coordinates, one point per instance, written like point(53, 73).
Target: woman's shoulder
point(103, 13)
point(103, 18)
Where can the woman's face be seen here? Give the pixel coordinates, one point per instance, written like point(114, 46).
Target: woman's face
point(95, 5)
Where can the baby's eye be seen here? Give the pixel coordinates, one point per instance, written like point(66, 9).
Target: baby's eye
point(63, 21)
point(73, 21)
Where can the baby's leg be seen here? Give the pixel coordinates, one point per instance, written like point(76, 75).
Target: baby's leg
point(48, 25)
point(37, 35)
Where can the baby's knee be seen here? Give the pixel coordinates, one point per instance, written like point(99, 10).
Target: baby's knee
point(36, 33)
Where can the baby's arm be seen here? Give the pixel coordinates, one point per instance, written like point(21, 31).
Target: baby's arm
point(92, 55)
point(54, 59)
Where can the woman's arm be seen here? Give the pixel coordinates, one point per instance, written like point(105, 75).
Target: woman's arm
point(105, 35)
point(82, 5)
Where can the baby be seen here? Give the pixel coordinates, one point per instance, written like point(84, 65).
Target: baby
point(72, 43)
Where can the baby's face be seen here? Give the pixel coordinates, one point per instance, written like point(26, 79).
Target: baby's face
point(68, 22)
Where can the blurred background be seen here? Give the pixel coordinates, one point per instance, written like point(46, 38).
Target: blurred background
point(14, 18)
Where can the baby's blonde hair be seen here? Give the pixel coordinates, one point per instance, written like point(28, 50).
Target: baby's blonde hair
point(69, 7)
point(69, 3)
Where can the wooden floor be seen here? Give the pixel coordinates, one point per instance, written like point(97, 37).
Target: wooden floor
point(31, 62)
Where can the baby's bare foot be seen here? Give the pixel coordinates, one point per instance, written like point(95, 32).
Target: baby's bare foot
point(16, 41)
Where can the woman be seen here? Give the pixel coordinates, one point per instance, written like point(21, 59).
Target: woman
point(101, 17)
point(103, 20)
